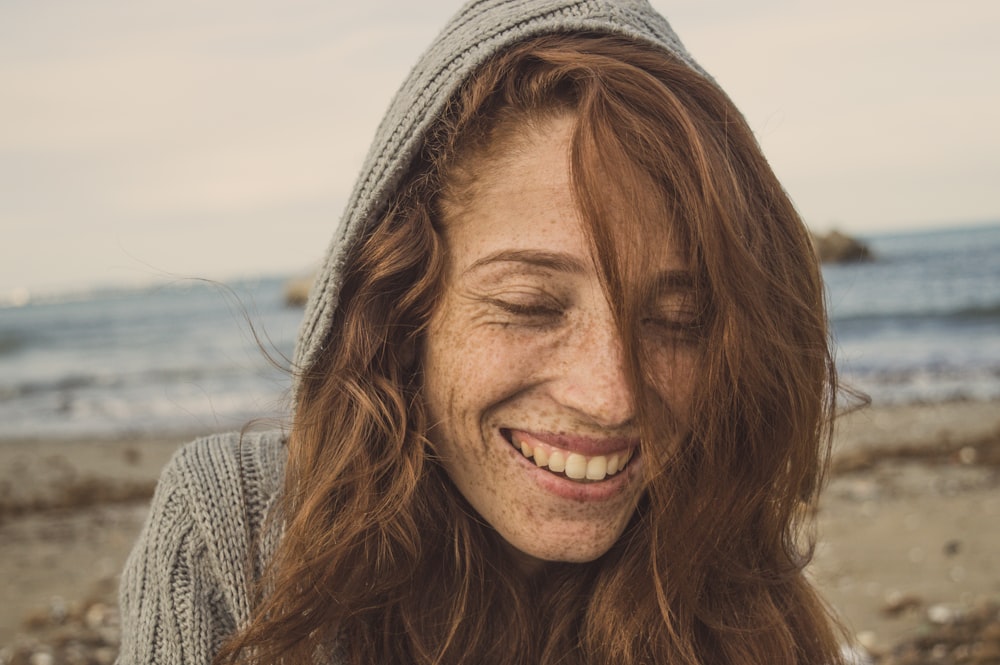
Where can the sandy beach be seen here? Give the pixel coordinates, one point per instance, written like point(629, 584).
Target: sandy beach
point(908, 549)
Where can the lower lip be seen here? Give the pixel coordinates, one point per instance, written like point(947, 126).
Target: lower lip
point(602, 490)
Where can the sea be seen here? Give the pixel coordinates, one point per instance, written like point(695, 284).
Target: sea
point(919, 324)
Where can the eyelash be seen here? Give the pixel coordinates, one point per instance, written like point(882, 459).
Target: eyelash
point(682, 329)
point(529, 311)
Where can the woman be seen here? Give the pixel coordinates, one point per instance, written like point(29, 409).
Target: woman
point(561, 393)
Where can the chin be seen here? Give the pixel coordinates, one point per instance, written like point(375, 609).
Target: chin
point(539, 552)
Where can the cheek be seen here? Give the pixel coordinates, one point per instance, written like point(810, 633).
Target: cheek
point(467, 365)
point(464, 373)
point(461, 386)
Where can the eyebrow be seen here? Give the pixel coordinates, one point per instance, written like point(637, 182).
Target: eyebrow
point(555, 261)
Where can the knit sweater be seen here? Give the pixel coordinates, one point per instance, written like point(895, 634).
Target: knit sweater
point(187, 583)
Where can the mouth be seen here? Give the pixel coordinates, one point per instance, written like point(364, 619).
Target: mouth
point(574, 466)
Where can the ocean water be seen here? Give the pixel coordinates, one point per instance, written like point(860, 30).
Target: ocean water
point(178, 358)
point(921, 323)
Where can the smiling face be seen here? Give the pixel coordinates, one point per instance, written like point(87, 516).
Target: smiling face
point(524, 372)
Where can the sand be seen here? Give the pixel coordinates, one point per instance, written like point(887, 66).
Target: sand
point(908, 526)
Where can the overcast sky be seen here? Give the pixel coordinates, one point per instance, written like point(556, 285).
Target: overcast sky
point(218, 138)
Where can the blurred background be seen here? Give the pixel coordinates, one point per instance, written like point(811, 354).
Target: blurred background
point(166, 168)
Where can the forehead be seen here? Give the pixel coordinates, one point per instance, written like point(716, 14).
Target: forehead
point(520, 196)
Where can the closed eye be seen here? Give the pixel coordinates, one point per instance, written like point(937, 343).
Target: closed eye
point(532, 313)
point(527, 309)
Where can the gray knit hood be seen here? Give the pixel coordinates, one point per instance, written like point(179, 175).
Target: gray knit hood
point(478, 31)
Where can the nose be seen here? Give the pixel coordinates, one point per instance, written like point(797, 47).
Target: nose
point(592, 380)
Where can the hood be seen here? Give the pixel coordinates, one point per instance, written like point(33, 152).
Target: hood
point(479, 30)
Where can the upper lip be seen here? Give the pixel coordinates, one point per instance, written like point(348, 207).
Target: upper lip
point(582, 444)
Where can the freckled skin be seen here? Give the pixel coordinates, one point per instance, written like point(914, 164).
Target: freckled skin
point(525, 345)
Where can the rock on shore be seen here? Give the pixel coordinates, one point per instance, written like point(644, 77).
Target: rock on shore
point(297, 291)
point(837, 247)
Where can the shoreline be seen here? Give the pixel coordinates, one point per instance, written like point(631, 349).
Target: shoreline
point(906, 523)
point(38, 475)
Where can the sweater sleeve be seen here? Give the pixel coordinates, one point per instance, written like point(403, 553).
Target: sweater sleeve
point(185, 584)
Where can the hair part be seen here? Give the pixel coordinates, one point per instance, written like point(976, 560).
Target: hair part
point(381, 555)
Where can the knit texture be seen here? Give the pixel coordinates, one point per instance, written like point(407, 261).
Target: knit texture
point(480, 30)
point(187, 584)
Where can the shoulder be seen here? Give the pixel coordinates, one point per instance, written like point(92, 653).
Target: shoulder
point(228, 466)
point(226, 473)
point(224, 486)
point(189, 579)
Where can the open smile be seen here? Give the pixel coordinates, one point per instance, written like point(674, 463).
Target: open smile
point(573, 465)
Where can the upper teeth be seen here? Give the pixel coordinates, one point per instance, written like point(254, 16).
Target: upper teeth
point(574, 465)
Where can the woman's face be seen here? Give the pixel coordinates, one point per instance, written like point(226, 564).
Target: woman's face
point(523, 363)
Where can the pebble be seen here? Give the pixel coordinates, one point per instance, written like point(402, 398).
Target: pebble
point(959, 636)
point(867, 639)
point(95, 616)
point(78, 634)
point(942, 614)
point(897, 603)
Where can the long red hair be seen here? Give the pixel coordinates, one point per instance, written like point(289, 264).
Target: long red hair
point(381, 558)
